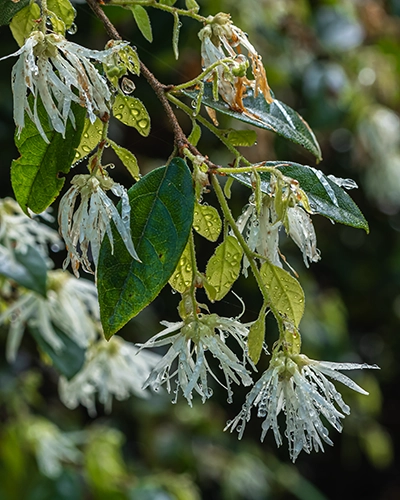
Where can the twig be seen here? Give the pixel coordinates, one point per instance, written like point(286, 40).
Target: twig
point(159, 89)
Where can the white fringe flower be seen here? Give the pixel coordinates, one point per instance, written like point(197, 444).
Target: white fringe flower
point(298, 386)
point(71, 305)
point(51, 446)
point(222, 39)
point(261, 231)
point(91, 221)
point(59, 72)
point(188, 348)
point(18, 231)
point(112, 369)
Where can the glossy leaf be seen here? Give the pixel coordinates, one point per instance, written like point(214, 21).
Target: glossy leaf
point(8, 9)
point(24, 22)
point(277, 117)
point(207, 222)
point(28, 269)
point(131, 111)
point(285, 292)
point(256, 337)
point(183, 275)
point(64, 10)
point(35, 175)
point(143, 21)
point(162, 214)
point(224, 267)
point(241, 137)
point(90, 138)
point(325, 196)
point(128, 159)
point(69, 360)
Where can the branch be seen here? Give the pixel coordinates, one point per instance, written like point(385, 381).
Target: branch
point(180, 138)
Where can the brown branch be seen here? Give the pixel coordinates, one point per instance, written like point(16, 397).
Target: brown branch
point(180, 138)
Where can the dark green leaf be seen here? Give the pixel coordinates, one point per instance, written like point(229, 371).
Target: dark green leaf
point(325, 196)
point(277, 117)
point(8, 9)
point(28, 269)
point(35, 176)
point(162, 214)
point(69, 360)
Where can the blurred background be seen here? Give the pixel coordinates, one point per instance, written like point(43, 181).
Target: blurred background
point(337, 62)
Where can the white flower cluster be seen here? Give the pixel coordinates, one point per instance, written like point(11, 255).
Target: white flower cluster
point(51, 446)
point(221, 39)
point(298, 387)
point(112, 369)
point(91, 221)
point(188, 348)
point(59, 72)
point(18, 231)
point(71, 305)
point(261, 231)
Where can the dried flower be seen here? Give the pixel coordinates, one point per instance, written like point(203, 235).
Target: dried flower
point(71, 305)
point(59, 72)
point(91, 221)
point(189, 345)
point(298, 386)
point(113, 368)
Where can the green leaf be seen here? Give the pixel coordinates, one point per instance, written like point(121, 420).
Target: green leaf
point(195, 134)
point(277, 117)
point(255, 339)
point(24, 22)
point(131, 111)
point(128, 159)
point(192, 5)
point(35, 175)
point(64, 10)
point(28, 269)
point(241, 137)
point(325, 196)
point(224, 267)
point(67, 361)
point(183, 276)
point(8, 9)
point(162, 213)
point(90, 138)
point(207, 222)
point(285, 292)
point(143, 21)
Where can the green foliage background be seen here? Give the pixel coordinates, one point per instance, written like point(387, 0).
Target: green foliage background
point(337, 63)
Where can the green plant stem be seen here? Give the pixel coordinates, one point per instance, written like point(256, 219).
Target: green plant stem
point(249, 254)
point(208, 125)
point(195, 81)
point(43, 10)
point(155, 5)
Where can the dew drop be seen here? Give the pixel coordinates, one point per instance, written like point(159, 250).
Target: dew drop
point(135, 112)
point(72, 29)
point(143, 123)
point(86, 148)
point(127, 86)
point(118, 116)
